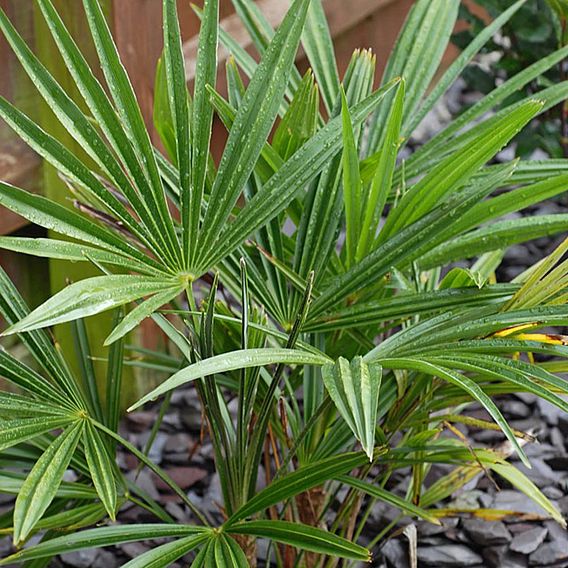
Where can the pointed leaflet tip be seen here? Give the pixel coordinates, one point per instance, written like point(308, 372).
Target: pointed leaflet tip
point(354, 388)
point(13, 329)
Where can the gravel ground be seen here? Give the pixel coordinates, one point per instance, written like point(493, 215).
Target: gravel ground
point(528, 539)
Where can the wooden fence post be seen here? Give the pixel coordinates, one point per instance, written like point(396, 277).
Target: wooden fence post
point(62, 272)
point(19, 165)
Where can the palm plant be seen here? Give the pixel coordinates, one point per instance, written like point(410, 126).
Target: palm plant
point(351, 342)
point(50, 398)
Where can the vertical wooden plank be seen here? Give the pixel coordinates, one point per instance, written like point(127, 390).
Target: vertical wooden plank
point(61, 272)
point(140, 51)
point(14, 84)
point(19, 165)
point(138, 34)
